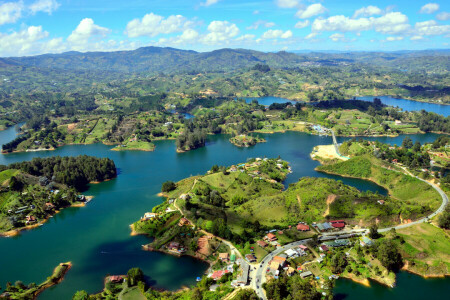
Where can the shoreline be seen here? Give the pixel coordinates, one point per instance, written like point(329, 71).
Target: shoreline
point(16, 232)
point(406, 268)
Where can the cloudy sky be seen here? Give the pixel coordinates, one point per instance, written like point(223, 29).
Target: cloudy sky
point(29, 27)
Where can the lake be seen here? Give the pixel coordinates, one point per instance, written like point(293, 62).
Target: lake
point(96, 238)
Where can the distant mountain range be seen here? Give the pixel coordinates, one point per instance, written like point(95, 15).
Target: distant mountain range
point(170, 60)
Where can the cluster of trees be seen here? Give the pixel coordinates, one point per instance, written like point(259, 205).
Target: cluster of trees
point(193, 137)
point(291, 288)
point(409, 154)
point(168, 186)
point(76, 171)
point(9, 147)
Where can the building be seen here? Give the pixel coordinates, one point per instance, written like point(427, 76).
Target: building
point(290, 271)
point(224, 257)
point(250, 258)
point(184, 222)
point(271, 237)
point(280, 260)
point(30, 219)
point(338, 224)
point(303, 247)
point(216, 275)
point(338, 243)
point(242, 278)
point(175, 247)
point(49, 206)
point(115, 278)
point(262, 244)
point(365, 241)
point(290, 252)
point(302, 227)
point(274, 266)
point(233, 257)
point(323, 226)
point(305, 274)
point(380, 202)
point(148, 216)
point(323, 248)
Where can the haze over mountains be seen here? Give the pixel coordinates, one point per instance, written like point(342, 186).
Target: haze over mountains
point(171, 60)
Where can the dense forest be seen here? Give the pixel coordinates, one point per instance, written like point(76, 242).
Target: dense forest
point(76, 171)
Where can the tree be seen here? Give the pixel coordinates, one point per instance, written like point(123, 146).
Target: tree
point(81, 295)
point(373, 232)
point(407, 143)
point(15, 184)
point(338, 262)
point(444, 219)
point(389, 256)
point(168, 186)
point(134, 276)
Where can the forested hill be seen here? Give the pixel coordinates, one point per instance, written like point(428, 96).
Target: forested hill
point(156, 59)
point(168, 60)
point(75, 172)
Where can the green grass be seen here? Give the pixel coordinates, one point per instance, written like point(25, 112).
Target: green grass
point(7, 174)
point(132, 293)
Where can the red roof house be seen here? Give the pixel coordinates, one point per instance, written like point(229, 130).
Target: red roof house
point(302, 227)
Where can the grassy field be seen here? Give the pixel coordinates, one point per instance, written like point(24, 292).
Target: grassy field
point(7, 174)
point(136, 145)
point(132, 293)
point(426, 248)
point(410, 196)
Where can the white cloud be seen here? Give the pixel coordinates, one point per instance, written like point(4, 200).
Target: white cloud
point(394, 38)
point(416, 38)
point(311, 11)
point(220, 31)
point(277, 33)
point(259, 23)
point(443, 16)
point(209, 2)
point(337, 37)
point(23, 42)
point(85, 32)
point(152, 25)
point(367, 11)
point(311, 35)
point(429, 8)
point(287, 3)
point(10, 12)
point(246, 37)
point(302, 24)
point(431, 28)
point(256, 12)
point(390, 23)
point(47, 6)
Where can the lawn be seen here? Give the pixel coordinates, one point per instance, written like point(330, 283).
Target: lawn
point(133, 293)
point(427, 248)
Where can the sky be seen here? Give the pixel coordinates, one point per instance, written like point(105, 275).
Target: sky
point(31, 27)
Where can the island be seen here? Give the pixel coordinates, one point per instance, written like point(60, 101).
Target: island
point(243, 140)
point(35, 190)
point(31, 291)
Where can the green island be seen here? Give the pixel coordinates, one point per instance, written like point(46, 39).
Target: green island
point(20, 291)
point(33, 191)
point(137, 130)
point(246, 140)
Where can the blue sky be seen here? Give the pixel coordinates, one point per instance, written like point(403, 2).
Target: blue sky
point(29, 27)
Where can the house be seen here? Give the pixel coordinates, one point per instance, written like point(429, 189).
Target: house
point(280, 260)
point(337, 224)
point(290, 271)
point(224, 257)
point(262, 244)
point(30, 219)
point(184, 222)
point(305, 274)
point(303, 247)
point(250, 258)
point(302, 227)
point(115, 278)
point(398, 122)
point(380, 202)
point(218, 274)
point(274, 266)
point(395, 161)
point(365, 241)
point(323, 248)
point(175, 247)
point(49, 206)
point(148, 216)
point(290, 252)
point(271, 237)
point(337, 243)
point(324, 226)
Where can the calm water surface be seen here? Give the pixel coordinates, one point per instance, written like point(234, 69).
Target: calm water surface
point(96, 238)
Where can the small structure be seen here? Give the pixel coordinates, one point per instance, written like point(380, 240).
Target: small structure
point(262, 244)
point(184, 222)
point(175, 247)
point(302, 227)
point(305, 274)
point(115, 278)
point(250, 258)
point(280, 260)
point(233, 257)
point(303, 247)
point(338, 243)
point(365, 241)
point(381, 202)
point(339, 224)
point(242, 279)
point(274, 266)
point(49, 206)
point(218, 274)
point(225, 257)
point(148, 216)
point(271, 237)
point(30, 219)
point(323, 248)
point(290, 252)
point(398, 122)
point(290, 271)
